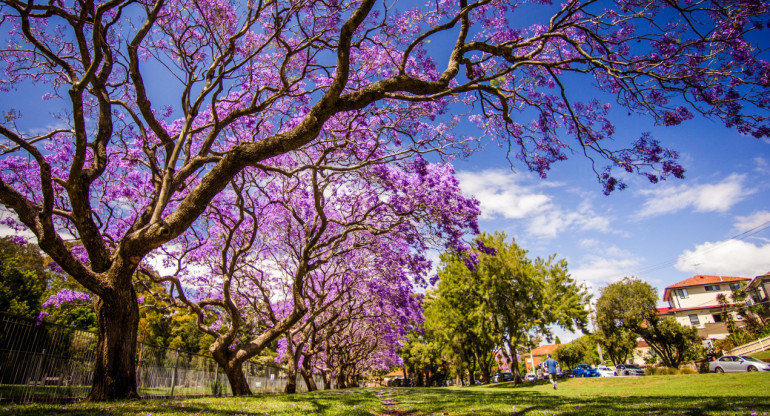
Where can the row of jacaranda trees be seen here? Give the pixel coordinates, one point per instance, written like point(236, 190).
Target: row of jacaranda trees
point(262, 162)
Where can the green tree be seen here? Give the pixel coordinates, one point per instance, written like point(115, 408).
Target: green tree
point(423, 359)
point(526, 298)
point(576, 352)
point(630, 304)
point(617, 343)
point(506, 300)
point(23, 278)
point(455, 317)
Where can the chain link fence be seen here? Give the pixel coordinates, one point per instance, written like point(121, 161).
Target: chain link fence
point(54, 363)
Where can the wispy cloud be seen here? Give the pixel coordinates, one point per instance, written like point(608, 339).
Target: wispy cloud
point(752, 222)
point(712, 197)
point(503, 194)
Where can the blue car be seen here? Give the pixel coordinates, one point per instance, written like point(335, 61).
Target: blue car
point(585, 370)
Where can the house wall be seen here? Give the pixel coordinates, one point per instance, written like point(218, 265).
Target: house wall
point(698, 296)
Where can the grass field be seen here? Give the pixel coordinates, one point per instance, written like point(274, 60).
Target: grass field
point(698, 394)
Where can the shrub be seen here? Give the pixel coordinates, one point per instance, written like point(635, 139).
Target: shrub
point(668, 371)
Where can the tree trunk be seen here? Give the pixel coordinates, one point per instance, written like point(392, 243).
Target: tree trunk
point(307, 375)
point(117, 320)
point(291, 380)
point(325, 378)
point(234, 371)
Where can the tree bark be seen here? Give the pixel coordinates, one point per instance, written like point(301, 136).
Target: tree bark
point(291, 381)
point(234, 370)
point(307, 375)
point(117, 320)
point(327, 383)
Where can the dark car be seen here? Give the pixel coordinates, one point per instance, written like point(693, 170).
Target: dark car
point(565, 374)
point(628, 370)
point(584, 370)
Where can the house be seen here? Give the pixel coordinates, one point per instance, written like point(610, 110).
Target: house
point(758, 290)
point(641, 353)
point(693, 302)
point(539, 354)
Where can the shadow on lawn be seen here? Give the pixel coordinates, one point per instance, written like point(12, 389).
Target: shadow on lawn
point(259, 405)
point(496, 402)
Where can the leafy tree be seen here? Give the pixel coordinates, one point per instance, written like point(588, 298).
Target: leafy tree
point(506, 298)
point(21, 289)
point(630, 304)
point(569, 355)
point(523, 297)
point(617, 343)
point(121, 173)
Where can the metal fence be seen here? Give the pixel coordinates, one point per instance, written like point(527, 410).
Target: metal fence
point(46, 362)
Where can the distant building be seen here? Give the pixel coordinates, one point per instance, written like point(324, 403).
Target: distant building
point(539, 355)
point(693, 302)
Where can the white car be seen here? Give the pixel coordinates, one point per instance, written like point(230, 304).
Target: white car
point(605, 371)
point(530, 377)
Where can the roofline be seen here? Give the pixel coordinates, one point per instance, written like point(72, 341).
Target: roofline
point(732, 279)
point(669, 289)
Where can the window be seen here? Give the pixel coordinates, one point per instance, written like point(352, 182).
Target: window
point(711, 288)
point(694, 321)
point(735, 286)
point(717, 317)
point(682, 293)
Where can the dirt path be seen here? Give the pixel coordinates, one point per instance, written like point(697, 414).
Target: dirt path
point(390, 405)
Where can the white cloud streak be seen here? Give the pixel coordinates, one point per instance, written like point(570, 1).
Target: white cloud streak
point(504, 194)
point(714, 197)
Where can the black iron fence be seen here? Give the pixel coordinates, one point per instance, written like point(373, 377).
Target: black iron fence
point(46, 362)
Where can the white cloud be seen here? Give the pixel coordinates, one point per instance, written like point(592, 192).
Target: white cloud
point(604, 268)
point(750, 222)
point(762, 165)
point(507, 195)
point(727, 258)
point(500, 194)
point(714, 197)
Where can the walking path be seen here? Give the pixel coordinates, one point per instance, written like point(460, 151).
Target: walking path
point(390, 405)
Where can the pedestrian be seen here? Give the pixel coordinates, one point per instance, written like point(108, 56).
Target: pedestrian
point(552, 369)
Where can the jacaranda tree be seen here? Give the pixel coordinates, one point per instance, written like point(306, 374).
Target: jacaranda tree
point(154, 107)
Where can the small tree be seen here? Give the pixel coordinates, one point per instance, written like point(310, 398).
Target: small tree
point(631, 305)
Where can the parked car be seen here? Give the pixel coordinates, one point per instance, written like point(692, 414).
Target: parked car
point(605, 371)
point(565, 373)
point(737, 364)
point(530, 377)
point(628, 370)
point(502, 377)
point(584, 370)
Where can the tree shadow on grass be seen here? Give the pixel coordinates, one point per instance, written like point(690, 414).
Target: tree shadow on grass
point(359, 402)
point(512, 402)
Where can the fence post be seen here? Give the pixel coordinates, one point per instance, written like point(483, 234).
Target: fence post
point(173, 375)
point(37, 374)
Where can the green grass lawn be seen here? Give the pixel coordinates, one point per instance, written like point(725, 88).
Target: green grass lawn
point(697, 394)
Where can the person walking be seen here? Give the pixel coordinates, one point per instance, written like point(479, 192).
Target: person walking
point(552, 369)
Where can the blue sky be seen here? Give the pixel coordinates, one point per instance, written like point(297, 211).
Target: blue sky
point(715, 221)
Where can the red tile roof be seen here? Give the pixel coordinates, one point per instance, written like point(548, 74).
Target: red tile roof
point(545, 349)
point(702, 280)
point(663, 311)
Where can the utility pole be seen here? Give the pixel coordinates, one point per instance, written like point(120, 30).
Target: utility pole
point(592, 317)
